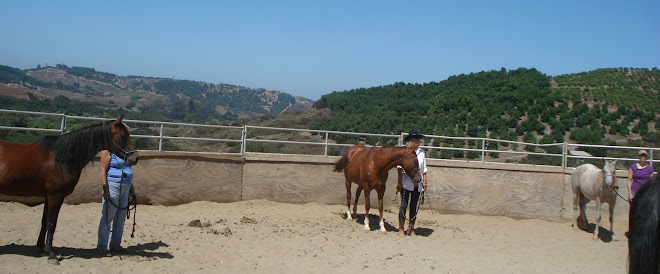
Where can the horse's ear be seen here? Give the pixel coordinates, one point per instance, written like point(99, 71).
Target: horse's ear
point(118, 121)
point(615, 162)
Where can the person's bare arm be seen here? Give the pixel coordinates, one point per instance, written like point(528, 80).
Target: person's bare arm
point(630, 176)
point(105, 164)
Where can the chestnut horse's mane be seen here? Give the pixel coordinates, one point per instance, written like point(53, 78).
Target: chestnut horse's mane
point(384, 151)
point(73, 150)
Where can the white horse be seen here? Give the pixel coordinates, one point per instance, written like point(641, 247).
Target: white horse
point(592, 183)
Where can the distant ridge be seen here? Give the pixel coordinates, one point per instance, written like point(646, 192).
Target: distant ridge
point(172, 98)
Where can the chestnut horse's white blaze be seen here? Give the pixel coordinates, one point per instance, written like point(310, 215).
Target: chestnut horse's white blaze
point(592, 183)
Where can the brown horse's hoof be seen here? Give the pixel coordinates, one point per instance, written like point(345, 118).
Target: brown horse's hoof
point(54, 261)
point(402, 233)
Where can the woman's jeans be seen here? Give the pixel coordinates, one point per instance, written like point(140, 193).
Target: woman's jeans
point(112, 218)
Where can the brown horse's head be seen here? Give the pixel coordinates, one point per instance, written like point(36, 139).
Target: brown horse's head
point(121, 144)
point(410, 164)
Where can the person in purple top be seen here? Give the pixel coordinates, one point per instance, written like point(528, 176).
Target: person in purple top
point(638, 174)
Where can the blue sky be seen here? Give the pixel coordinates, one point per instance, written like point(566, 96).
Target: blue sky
point(311, 48)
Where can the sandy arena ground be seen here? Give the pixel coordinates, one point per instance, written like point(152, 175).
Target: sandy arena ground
point(266, 237)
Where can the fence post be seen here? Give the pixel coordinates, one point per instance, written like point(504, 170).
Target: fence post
point(243, 139)
point(483, 150)
point(326, 144)
point(160, 139)
point(564, 153)
point(63, 124)
point(651, 156)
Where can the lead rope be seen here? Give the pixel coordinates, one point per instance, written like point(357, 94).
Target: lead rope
point(616, 190)
point(128, 212)
point(128, 206)
point(420, 200)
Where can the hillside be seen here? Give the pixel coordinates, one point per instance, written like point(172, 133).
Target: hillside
point(149, 98)
point(595, 107)
point(605, 106)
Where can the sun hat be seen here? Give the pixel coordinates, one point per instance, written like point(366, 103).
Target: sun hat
point(413, 134)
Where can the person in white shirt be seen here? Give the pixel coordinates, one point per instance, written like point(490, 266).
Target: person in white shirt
point(410, 191)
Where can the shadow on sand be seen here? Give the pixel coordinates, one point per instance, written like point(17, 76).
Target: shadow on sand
point(373, 225)
point(603, 234)
point(142, 250)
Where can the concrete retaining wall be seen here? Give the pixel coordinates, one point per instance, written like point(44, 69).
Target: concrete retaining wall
point(171, 178)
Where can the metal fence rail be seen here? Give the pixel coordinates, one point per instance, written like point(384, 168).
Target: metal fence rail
point(480, 144)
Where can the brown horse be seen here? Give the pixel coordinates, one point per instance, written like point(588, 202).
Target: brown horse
point(368, 168)
point(50, 167)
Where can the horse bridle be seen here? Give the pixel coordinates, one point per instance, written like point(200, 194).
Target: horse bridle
point(406, 155)
point(126, 153)
point(616, 188)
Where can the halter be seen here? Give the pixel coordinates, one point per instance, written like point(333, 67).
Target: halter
point(126, 153)
point(609, 175)
point(616, 188)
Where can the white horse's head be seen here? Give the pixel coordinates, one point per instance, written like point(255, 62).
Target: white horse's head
point(609, 170)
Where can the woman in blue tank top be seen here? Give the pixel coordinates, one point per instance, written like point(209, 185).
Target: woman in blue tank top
point(117, 178)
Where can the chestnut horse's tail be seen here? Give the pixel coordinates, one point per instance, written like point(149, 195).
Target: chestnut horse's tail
point(342, 163)
point(350, 152)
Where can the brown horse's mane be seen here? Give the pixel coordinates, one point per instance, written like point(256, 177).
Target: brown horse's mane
point(73, 150)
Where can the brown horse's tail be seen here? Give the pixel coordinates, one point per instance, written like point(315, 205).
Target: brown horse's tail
point(342, 163)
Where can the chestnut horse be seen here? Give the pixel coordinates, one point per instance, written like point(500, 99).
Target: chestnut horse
point(368, 168)
point(50, 167)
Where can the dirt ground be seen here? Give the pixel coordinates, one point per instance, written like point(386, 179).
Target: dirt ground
point(262, 236)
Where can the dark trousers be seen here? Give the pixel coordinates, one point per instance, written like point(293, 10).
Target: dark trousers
point(412, 197)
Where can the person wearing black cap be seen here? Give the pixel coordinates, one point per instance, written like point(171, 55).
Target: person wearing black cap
point(638, 173)
point(410, 191)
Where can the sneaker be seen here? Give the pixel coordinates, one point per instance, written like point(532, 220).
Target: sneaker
point(103, 253)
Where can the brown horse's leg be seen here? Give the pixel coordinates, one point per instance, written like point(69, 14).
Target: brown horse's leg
point(348, 200)
point(54, 204)
point(357, 196)
point(381, 193)
point(367, 205)
point(42, 233)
